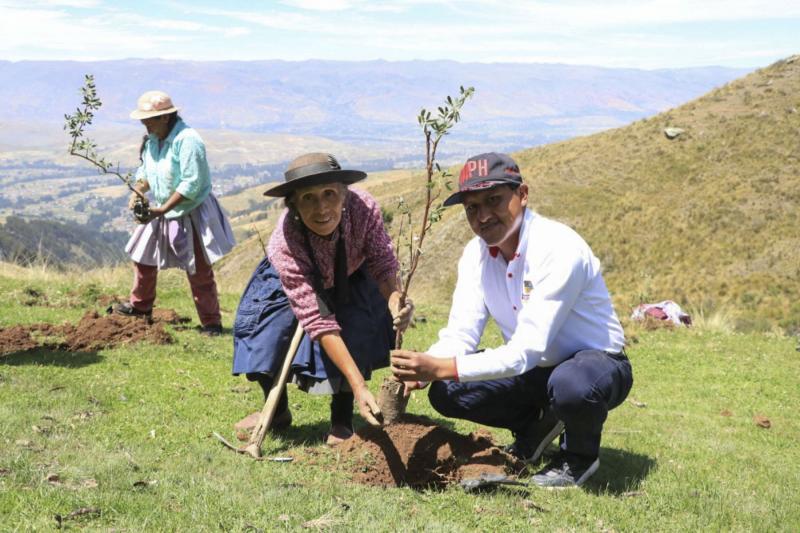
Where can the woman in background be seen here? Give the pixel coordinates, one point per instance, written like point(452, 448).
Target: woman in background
point(186, 228)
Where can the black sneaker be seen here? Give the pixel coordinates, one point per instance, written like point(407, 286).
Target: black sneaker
point(126, 309)
point(212, 330)
point(566, 470)
point(531, 442)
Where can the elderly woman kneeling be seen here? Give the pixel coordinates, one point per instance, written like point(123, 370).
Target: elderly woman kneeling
point(330, 265)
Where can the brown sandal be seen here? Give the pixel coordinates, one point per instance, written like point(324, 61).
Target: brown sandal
point(246, 425)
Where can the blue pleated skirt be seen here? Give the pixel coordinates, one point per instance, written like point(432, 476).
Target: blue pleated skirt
point(265, 324)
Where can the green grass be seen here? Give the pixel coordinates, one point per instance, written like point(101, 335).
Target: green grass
point(128, 431)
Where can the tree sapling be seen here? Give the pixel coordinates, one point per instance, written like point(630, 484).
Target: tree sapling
point(84, 147)
point(409, 244)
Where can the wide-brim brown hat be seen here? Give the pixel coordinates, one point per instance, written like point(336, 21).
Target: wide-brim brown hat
point(314, 169)
point(152, 104)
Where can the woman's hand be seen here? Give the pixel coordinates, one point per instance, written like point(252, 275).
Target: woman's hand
point(155, 212)
point(337, 352)
point(412, 386)
point(166, 207)
point(132, 201)
point(141, 187)
point(367, 406)
point(401, 318)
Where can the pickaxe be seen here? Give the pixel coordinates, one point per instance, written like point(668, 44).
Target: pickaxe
point(253, 447)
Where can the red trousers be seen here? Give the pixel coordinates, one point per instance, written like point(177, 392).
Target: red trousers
point(204, 288)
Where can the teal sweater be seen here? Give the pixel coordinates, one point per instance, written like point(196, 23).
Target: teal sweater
point(180, 165)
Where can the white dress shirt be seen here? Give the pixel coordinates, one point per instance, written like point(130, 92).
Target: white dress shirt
point(550, 302)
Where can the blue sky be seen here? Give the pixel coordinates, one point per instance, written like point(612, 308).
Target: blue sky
point(639, 34)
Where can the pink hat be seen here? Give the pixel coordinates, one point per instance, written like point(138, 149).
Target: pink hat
point(153, 104)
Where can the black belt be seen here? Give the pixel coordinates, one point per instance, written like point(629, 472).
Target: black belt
point(620, 356)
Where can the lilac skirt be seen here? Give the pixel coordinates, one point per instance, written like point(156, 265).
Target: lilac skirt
point(167, 242)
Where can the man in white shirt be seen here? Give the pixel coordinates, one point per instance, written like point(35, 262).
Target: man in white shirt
point(562, 367)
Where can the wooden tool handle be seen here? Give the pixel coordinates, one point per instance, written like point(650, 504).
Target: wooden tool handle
point(268, 412)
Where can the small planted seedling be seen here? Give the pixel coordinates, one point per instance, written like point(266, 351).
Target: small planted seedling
point(409, 242)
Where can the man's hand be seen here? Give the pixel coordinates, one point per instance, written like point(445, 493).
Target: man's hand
point(367, 406)
point(412, 386)
point(416, 366)
point(401, 318)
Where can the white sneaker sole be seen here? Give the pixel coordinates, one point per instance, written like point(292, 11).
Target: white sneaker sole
point(586, 475)
point(550, 437)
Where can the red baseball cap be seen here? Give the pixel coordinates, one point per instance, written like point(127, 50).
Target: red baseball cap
point(485, 171)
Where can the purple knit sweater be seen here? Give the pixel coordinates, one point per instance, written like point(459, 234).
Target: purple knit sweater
point(366, 241)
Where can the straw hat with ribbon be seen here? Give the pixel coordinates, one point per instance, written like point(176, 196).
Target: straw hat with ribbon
point(152, 104)
point(314, 169)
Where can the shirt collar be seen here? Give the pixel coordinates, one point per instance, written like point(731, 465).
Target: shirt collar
point(176, 129)
point(527, 219)
point(522, 245)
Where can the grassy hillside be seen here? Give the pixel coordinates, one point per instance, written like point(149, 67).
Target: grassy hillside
point(708, 219)
point(125, 433)
point(59, 244)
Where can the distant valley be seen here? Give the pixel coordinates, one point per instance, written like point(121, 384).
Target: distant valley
point(370, 103)
point(255, 116)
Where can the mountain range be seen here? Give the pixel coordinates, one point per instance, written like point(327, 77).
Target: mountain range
point(707, 218)
point(369, 104)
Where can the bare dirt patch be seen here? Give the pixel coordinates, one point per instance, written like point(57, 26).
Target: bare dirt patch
point(16, 339)
point(419, 453)
point(92, 332)
point(169, 316)
point(95, 332)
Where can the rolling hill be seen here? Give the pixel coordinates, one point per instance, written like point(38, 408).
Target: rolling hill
point(57, 244)
point(708, 219)
point(255, 116)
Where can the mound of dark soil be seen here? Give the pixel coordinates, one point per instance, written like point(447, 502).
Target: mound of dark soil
point(93, 332)
point(419, 453)
point(169, 316)
point(166, 316)
point(16, 339)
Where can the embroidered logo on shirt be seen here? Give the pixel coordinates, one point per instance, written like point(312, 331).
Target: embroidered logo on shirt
point(527, 288)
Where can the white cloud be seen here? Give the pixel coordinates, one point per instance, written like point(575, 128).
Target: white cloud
point(612, 33)
point(179, 25)
point(236, 32)
point(320, 5)
point(49, 4)
point(608, 34)
point(27, 30)
point(590, 14)
point(295, 22)
point(29, 33)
